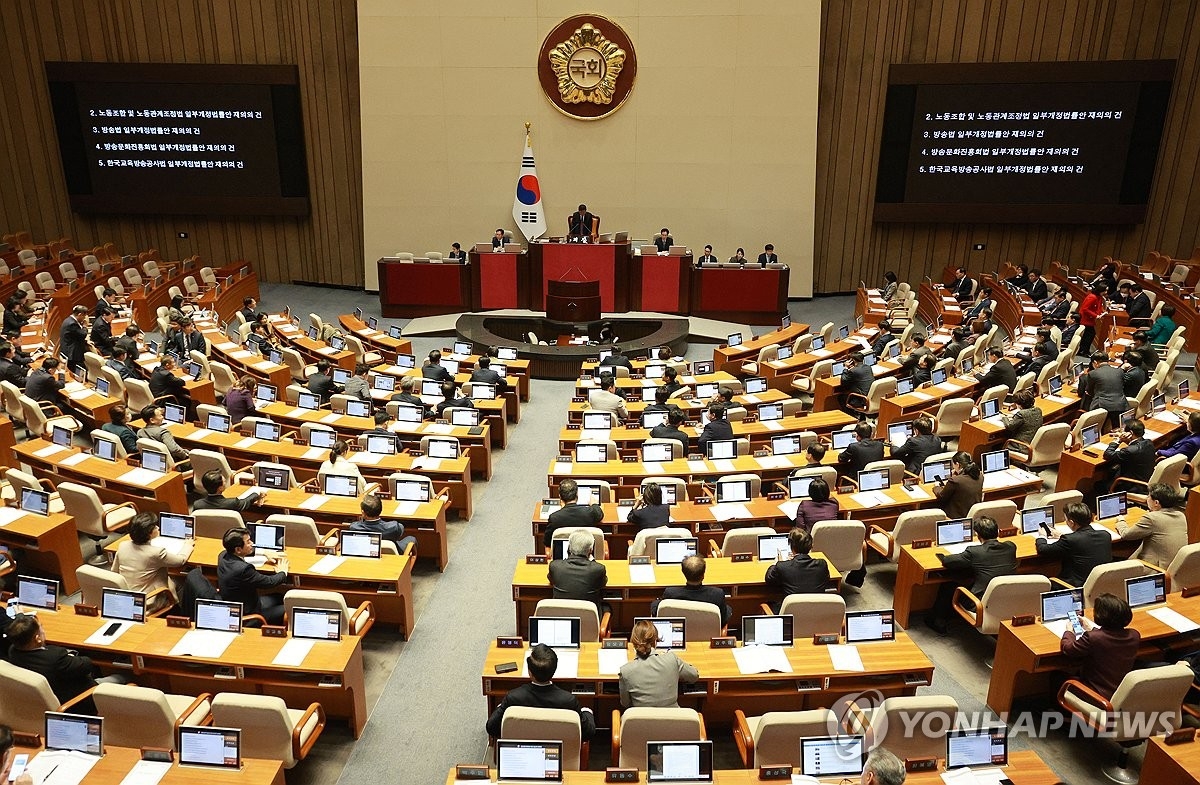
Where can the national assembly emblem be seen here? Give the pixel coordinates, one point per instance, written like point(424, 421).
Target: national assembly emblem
point(587, 67)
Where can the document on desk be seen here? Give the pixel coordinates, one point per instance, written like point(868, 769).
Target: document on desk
point(654, 468)
point(140, 476)
point(1060, 399)
point(445, 428)
point(845, 658)
point(330, 418)
point(241, 354)
point(562, 468)
point(730, 511)
point(405, 509)
point(368, 458)
point(773, 462)
point(773, 425)
point(695, 466)
point(98, 638)
point(996, 419)
point(315, 454)
point(146, 772)
point(790, 509)
point(246, 443)
point(326, 564)
point(72, 460)
point(641, 573)
point(79, 394)
point(724, 466)
point(1058, 627)
point(199, 434)
point(425, 462)
point(947, 386)
point(210, 644)
point(48, 450)
point(1174, 619)
point(871, 498)
point(293, 652)
point(1188, 403)
point(821, 352)
point(327, 350)
point(957, 547)
point(61, 767)
point(297, 412)
point(623, 512)
point(921, 396)
point(761, 659)
point(917, 492)
point(965, 776)
point(9, 514)
point(751, 398)
point(314, 502)
point(611, 660)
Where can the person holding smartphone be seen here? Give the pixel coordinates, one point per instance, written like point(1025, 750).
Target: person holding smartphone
point(1107, 651)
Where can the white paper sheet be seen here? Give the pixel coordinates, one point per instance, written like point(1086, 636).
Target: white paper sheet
point(845, 658)
point(947, 386)
point(917, 492)
point(965, 776)
point(921, 396)
point(326, 564)
point(72, 460)
point(246, 443)
point(314, 502)
point(98, 638)
point(561, 468)
point(140, 476)
point(774, 462)
point(1174, 619)
point(405, 508)
point(315, 454)
point(653, 468)
point(330, 418)
point(425, 462)
point(210, 644)
point(366, 458)
point(79, 394)
point(789, 509)
point(723, 466)
point(611, 660)
point(68, 767)
point(568, 664)
point(871, 498)
point(48, 450)
point(446, 428)
point(731, 511)
point(773, 425)
point(761, 659)
point(957, 547)
point(697, 466)
point(293, 652)
point(9, 514)
point(146, 772)
point(641, 573)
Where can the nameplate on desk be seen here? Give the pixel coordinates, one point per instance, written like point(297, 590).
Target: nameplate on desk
point(573, 426)
point(274, 631)
point(1190, 591)
point(182, 622)
point(629, 459)
point(1181, 736)
point(509, 642)
point(776, 496)
point(741, 557)
point(702, 500)
point(637, 376)
point(639, 560)
point(354, 447)
point(774, 772)
point(613, 643)
point(577, 399)
point(920, 764)
point(562, 458)
point(26, 739)
point(535, 558)
point(86, 610)
point(587, 377)
point(244, 480)
point(1024, 620)
point(296, 440)
point(723, 642)
point(761, 453)
point(415, 452)
point(826, 639)
point(157, 754)
point(633, 396)
point(1011, 531)
point(613, 774)
point(626, 503)
point(465, 772)
point(326, 550)
point(917, 545)
point(384, 496)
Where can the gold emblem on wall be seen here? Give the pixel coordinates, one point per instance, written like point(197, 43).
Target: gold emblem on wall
point(587, 67)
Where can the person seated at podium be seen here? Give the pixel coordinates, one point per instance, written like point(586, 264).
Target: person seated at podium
point(739, 257)
point(498, 240)
point(571, 513)
point(801, 574)
point(664, 241)
point(707, 258)
point(605, 399)
point(542, 694)
point(650, 512)
point(694, 590)
point(457, 253)
point(670, 429)
point(617, 358)
point(579, 226)
point(433, 369)
point(239, 581)
point(452, 397)
point(768, 256)
point(484, 373)
point(606, 335)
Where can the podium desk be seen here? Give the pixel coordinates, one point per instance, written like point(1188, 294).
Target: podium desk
point(500, 280)
point(477, 447)
point(730, 358)
point(934, 302)
point(870, 306)
point(118, 762)
point(49, 544)
point(424, 520)
point(749, 295)
point(692, 407)
point(743, 582)
point(607, 263)
point(892, 668)
point(375, 340)
point(986, 435)
point(111, 480)
point(572, 301)
point(759, 433)
point(1178, 763)
point(331, 674)
point(88, 403)
point(1011, 312)
point(452, 475)
point(919, 572)
point(1028, 657)
point(661, 284)
point(409, 289)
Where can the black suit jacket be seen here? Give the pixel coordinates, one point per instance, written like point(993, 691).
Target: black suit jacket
point(184, 344)
point(1058, 312)
point(1080, 551)
point(857, 455)
point(13, 322)
point(715, 431)
point(1036, 289)
point(962, 289)
point(238, 581)
point(542, 696)
point(69, 675)
point(572, 515)
point(580, 226)
point(664, 245)
point(1136, 459)
point(765, 258)
point(651, 516)
point(222, 503)
point(987, 560)
point(488, 376)
point(72, 341)
point(713, 595)
point(102, 337)
point(436, 372)
point(13, 372)
point(857, 380)
point(703, 260)
point(915, 450)
point(164, 382)
point(322, 385)
point(801, 574)
point(1001, 372)
point(665, 431)
point(616, 359)
point(1133, 379)
point(1139, 307)
point(578, 578)
point(41, 385)
point(1103, 388)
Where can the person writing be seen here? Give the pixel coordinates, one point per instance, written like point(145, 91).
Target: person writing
point(652, 677)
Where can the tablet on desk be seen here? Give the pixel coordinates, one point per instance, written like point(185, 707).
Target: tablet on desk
point(37, 593)
point(555, 632)
point(74, 732)
point(367, 545)
point(732, 491)
point(671, 631)
point(832, 756)
point(520, 762)
point(321, 624)
point(1146, 590)
point(722, 449)
point(35, 501)
point(277, 478)
point(210, 746)
point(1036, 520)
point(176, 525)
point(987, 746)
point(679, 762)
point(767, 630)
point(870, 626)
point(953, 532)
point(773, 546)
point(1057, 604)
point(788, 444)
point(218, 615)
point(673, 550)
point(267, 536)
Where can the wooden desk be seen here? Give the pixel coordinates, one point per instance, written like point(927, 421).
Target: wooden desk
point(743, 583)
point(759, 433)
point(506, 408)
point(933, 302)
point(892, 668)
point(869, 305)
point(236, 282)
point(730, 358)
point(905, 407)
point(313, 351)
point(144, 651)
point(1178, 764)
point(408, 289)
point(691, 406)
point(375, 340)
point(980, 436)
point(1026, 657)
point(624, 383)
point(49, 544)
point(107, 478)
point(118, 762)
point(517, 374)
point(749, 295)
point(8, 440)
point(244, 362)
point(827, 390)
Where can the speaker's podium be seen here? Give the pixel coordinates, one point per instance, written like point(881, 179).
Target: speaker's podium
point(573, 301)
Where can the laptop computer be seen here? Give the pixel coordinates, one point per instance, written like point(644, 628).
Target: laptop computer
point(870, 626)
point(874, 480)
point(556, 632)
point(772, 546)
point(443, 448)
point(591, 453)
point(597, 421)
point(671, 630)
point(656, 453)
point(268, 536)
point(481, 391)
point(340, 485)
point(521, 762)
point(935, 471)
point(1037, 519)
point(679, 762)
point(869, 359)
point(987, 746)
point(673, 550)
point(35, 501)
point(366, 545)
point(320, 624)
point(798, 487)
point(218, 615)
point(102, 385)
point(358, 409)
point(39, 593)
point(995, 461)
point(767, 630)
point(1090, 435)
point(939, 376)
point(1111, 505)
point(652, 420)
point(210, 746)
point(75, 732)
point(653, 370)
point(60, 436)
point(1055, 384)
point(788, 444)
point(818, 343)
point(832, 756)
point(1146, 590)
point(785, 353)
point(844, 331)
point(722, 449)
point(729, 491)
point(1057, 604)
point(701, 367)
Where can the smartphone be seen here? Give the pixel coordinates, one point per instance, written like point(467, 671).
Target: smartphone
point(506, 667)
point(1073, 617)
point(116, 625)
point(18, 767)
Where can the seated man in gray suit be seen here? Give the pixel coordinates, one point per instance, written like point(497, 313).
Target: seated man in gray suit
point(578, 577)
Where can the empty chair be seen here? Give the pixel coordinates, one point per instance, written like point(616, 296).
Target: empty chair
point(636, 726)
point(841, 542)
point(1110, 579)
point(951, 415)
point(96, 520)
point(1060, 500)
point(1168, 471)
point(703, 619)
point(214, 523)
point(19, 479)
point(912, 727)
point(300, 531)
point(774, 738)
point(45, 282)
point(26, 697)
point(208, 276)
point(539, 724)
point(1046, 449)
point(222, 376)
point(766, 354)
point(133, 277)
point(742, 540)
point(894, 468)
point(1184, 570)
point(1004, 512)
point(12, 401)
point(1006, 596)
point(145, 717)
point(813, 614)
point(190, 287)
point(269, 728)
point(358, 622)
point(911, 525)
point(644, 543)
point(592, 626)
point(40, 417)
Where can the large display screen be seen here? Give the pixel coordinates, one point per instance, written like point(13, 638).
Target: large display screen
point(1058, 142)
point(180, 139)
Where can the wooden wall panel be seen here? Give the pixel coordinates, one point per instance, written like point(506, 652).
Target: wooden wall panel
point(860, 38)
point(319, 36)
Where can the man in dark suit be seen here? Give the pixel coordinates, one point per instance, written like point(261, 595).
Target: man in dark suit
point(670, 429)
point(68, 673)
point(617, 358)
point(1138, 307)
point(406, 395)
point(484, 373)
point(72, 337)
point(1070, 328)
point(664, 241)
point(883, 338)
point(371, 521)
point(963, 286)
point(110, 301)
point(661, 395)
point(10, 370)
point(542, 694)
point(250, 310)
point(1035, 286)
point(1083, 548)
point(214, 486)
point(571, 514)
point(694, 590)
point(768, 256)
point(164, 382)
point(452, 397)
point(1132, 454)
point(120, 363)
point(578, 577)
point(239, 581)
point(864, 449)
point(498, 240)
point(129, 341)
point(1001, 372)
point(433, 368)
point(670, 381)
point(1055, 309)
point(1043, 354)
point(43, 384)
point(989, 559)
point(1102, 386)
point(1133, 374)
point(456, 254)
point(579, 225)
point(321, 382)
point(102, 337)
point(707, 258)
point(856, 377)
point(958, 342)
point(919, 446)
point(187, 340)
point(801, 574)
point(718, 428)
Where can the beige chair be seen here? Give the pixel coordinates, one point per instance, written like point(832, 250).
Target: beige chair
point(1184, 570)
point(94, 580)
point(26, 697)
point(774, 738)
point(358, 622)
point(45, 282)
point(807, 384)
point(1059, 500)
point(145, 717)
point(18, 479)
point(1006, 596)
point(826, 473)
point(1003, 512)
point(404, 487)
point(12, 402)
point(894, 468)
point(214, 523)
point(206, 460)
point(644, 543)
point(138, 395)
point(361, 355)
point(743, 539)
point(92, 362)
point(610, 445)
point(813, 614)
point(300, 531)
point(732, 479)
point(40, 417)
point(675, 445)
point(538, 724)
point(638, 725)
point(269, 728)
point(868, 406)
point(1046, 449)
point(1149, 698)
point(911, 727)
point(702, 620)
point(1168, 471)
point(1110, 579)
point(92, 518)
point(766, 354)
point(841, 542)
point(911, 525)
point(68, 271)
point(599, 546)
point(997, 392)
point(951, 415)
point(592, 626)
point(111, 438)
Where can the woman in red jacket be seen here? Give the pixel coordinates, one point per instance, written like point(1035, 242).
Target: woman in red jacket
point(1090, 310)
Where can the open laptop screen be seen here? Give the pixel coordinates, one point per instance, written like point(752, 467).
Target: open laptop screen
point(555, 632)
point(528, 761)
point(591, 453)
point(446, 448)
point(217, 422)
point(1146, 590)
point(673, 550)
point(267, 431)
point(707, 390)
point(770, 411)
point(767, 630)
point(1090, 435)
point(410, 413)
point(210, 746)
point(989, 408)
point(977, 747)
point(322, 624)
point(506, 352)
point(378, 444)
point(276, 478)
point(266, 393)
point(410, 490)
point(865, 626)
point(671, 630)
point(340, 375)
point(153, 461)
point(832, 756)
point(679, 761)
point(1056, 604)
point(383, 383)
point(103, 448)
point(464, 417)
point(78, 732)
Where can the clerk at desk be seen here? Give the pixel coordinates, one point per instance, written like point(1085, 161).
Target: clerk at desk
point(579, 225)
